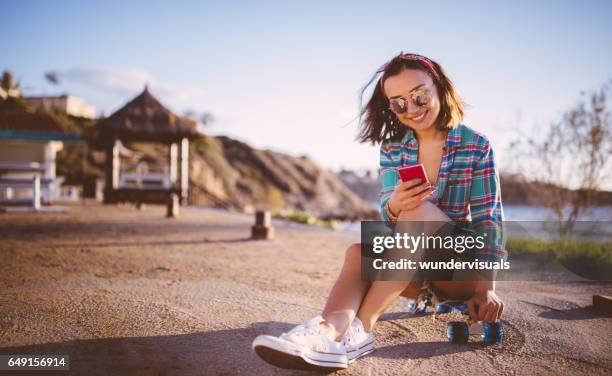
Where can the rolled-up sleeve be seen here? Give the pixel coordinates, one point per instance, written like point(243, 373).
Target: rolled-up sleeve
point(388, 179)
point(486, 206)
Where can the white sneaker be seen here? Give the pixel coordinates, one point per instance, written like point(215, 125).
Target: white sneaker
point(304, 347)
point(357, 341)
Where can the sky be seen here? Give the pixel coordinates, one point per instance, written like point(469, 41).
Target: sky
point(286, 75)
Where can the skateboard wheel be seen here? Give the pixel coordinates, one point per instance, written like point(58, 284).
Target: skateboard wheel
point(492, 333)
point(443, 308)
point(457, 332)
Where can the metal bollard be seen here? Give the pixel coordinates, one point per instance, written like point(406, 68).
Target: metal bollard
point(263, 226)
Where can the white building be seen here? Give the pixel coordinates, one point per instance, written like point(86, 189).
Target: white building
point(29, 143)
point(71, 105)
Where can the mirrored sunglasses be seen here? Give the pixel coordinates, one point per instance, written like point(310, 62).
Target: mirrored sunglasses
point(419, 98)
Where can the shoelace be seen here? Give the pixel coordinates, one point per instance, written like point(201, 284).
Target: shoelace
point(350, 338)
point(309, 328)
point(307, 332)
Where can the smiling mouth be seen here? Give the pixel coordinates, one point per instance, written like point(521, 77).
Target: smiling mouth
point(418, 117)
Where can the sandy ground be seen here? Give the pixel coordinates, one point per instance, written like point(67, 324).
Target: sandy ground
point(124, 292)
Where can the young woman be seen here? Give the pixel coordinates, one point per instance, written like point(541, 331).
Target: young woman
point(415, 113)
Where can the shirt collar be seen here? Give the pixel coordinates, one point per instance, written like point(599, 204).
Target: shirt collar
point(452, 139)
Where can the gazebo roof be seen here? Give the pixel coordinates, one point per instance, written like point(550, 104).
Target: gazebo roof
point(144, 118)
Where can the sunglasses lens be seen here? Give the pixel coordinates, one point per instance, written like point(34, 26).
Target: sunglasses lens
point(420, 99)
point(398, 105)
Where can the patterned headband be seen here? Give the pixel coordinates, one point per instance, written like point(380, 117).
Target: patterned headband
point(425, 62)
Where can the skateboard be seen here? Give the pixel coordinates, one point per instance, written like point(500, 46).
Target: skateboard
point(412, 307)
point(460, 331)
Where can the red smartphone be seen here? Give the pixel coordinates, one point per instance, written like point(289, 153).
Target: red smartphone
point(413, 172)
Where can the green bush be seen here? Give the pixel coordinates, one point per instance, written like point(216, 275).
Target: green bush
point(586, 258)
point(304, 218)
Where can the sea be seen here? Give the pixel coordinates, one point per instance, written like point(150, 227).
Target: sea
point(593, 223)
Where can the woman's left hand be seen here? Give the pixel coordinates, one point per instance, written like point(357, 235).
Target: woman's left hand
point(485, 306)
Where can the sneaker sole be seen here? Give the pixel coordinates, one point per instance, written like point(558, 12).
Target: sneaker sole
point(287, 355)
point(362, 351)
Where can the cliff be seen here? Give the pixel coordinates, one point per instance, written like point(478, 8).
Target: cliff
point(226, 172)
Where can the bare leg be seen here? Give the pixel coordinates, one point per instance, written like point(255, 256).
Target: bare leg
point(346, 295)
point(383, 293)
point(412, 290)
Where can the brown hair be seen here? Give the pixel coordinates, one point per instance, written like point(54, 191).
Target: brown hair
point(378, 123)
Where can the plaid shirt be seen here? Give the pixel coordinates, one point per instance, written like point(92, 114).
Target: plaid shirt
point(468, 187)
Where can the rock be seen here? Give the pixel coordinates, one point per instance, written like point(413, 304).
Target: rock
point(229, 172)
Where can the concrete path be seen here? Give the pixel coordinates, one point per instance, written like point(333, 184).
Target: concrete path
point(128, 292)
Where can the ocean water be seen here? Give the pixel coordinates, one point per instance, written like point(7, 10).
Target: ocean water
point(538, 213)
point(526, 213)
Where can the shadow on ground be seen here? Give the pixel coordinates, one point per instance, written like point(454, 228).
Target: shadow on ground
point(578, 313)
point(214, 352)
point(160, 243)
point(423, 350)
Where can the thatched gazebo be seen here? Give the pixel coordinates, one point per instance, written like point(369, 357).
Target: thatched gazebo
point(145, 119)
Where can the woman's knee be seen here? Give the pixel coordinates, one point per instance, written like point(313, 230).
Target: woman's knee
point(426, 211)
point(353, 252)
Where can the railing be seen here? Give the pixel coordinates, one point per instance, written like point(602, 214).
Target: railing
point(9, 185)
point(38, 189)
point(144, 181)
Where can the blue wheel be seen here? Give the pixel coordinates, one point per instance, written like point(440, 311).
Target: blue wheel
point(457, 332)
point(492, 333)
point(443, 308)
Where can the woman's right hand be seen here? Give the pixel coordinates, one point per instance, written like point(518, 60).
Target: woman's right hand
point(409, 194)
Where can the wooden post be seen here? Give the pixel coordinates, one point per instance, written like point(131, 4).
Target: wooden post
point(99, 189)
point(36, 192)
point(184, 170)
point(116, 165)
point(172, 209)
point(172, 206)
point(9, 192)
point(172, 161)
point(263, 226)
point(603, 304)
point(113, 165)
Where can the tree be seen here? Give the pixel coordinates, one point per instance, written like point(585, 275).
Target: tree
point(52, 78)
point(207, 118)
point(203, 120)
point(572, 160)
point(10, 93)
point(8, 86)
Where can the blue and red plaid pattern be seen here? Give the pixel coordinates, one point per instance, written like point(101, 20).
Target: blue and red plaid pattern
point(468, 188)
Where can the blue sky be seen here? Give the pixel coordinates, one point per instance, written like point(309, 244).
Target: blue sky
point(285, 75)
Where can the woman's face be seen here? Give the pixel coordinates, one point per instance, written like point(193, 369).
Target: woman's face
point(403, 85)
